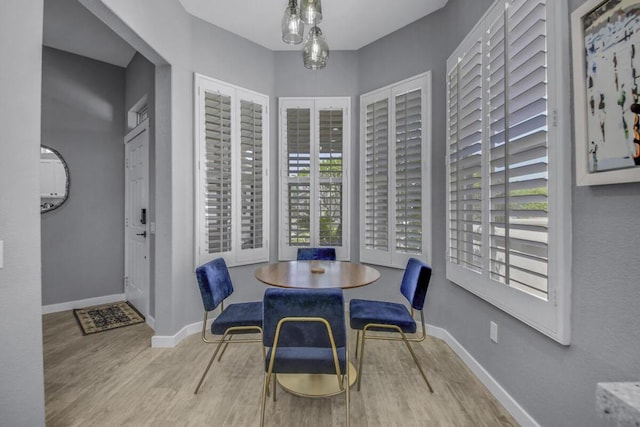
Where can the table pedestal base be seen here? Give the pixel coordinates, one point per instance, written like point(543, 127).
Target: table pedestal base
point(314, 385)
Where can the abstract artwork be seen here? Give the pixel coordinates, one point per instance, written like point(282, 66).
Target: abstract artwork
point(606, 43)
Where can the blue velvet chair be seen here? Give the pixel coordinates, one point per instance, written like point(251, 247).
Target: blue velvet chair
point(305, 331)
point(242, 318)
point(308, 254)
point(381, 316)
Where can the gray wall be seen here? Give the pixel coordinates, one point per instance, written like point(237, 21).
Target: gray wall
point(83, 119)
point(554, 383)
point(21, 374)
point(140, 80)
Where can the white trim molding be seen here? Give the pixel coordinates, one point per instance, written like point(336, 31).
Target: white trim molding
point(170, 341)
point(70, 305)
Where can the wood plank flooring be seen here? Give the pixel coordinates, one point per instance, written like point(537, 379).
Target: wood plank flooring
point(115, 378)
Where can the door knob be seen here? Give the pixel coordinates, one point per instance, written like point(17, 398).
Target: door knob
point(143, 234)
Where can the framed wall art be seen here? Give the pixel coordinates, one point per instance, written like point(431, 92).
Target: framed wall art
point(606, 79)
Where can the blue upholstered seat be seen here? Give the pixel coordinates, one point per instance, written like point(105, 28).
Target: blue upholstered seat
point(364, 312)
point(299, 341)
point(310, 360)
point(308, 254)
point(215, 286)
point(383, 316)
point(242, 314)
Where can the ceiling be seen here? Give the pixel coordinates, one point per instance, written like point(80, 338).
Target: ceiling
point(347, 24)
point(69, 26)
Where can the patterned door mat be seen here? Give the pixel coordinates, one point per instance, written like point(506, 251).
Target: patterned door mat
point(104, 317)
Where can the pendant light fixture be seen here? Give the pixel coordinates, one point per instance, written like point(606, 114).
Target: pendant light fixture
point(311, 11)
point(316, 50)
point(292, 26)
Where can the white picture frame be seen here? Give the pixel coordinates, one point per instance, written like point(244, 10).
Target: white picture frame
point(606, 81)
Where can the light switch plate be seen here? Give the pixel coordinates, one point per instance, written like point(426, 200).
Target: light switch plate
point(1, 253)
point(493, 333)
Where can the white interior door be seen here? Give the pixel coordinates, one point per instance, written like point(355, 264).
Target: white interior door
point(136, 265)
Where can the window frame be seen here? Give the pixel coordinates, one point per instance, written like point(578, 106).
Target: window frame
point(550, 316)
point(236, 256)
point(315, 104)
point(392, 257)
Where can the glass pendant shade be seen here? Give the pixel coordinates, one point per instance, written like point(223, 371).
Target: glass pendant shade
point(292, 26)
point(311, 11)
point(315, 52)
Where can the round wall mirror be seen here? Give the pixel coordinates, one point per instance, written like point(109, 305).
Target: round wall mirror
point(54, 179)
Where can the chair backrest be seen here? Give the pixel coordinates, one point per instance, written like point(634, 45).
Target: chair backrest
point(307, 254)
point(326, 303)
point(214, 283)
point(415, 282)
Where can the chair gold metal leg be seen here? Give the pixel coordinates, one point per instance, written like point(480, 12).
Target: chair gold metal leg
point(226, 344)
point(213, 357)
point(415, 359)
point(275, 385)
point(265, 387)
point(347, 396)
point(364, 335)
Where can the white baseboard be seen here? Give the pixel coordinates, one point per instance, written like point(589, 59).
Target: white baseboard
point(168, 341)
point(151, 321)
point(64, 306)
point(505, 399)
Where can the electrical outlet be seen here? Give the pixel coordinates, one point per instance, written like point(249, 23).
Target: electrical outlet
point(493, 332)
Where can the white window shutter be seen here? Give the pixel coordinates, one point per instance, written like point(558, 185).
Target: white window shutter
point(331, 173)
point(465, 158)
point(375, 164)
point(298, 176)
point(394, 185)
point(217, 166)
point(518, 148)
point(505, 163)
point(408, 160)
point(232, 196)
point(314, 144)
point(252, 197)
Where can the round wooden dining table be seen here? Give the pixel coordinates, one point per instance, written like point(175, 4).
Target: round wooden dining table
point(316, 274)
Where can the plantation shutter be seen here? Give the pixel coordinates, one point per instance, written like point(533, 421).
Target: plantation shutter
point(519, 170)
point(408, 160)
point(376, 176)
point(314, 202)
point(452, 162)
point(394, 185)
point(503, 113)
point(298, 146)
point(231, 159)
point(465, 158)
point(331, 172)
point(251, 170)
point(217, 167)
point(509, 184)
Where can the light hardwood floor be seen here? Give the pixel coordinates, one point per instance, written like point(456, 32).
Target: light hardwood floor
point(115, 378)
